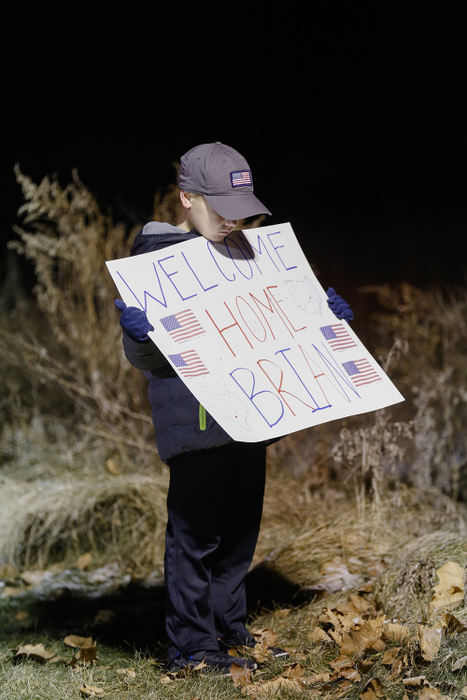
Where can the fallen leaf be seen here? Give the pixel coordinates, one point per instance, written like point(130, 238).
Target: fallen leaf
point(460, 663)
point(329, 615)
point(319, 677)
point(464, 691)
point(91, 691)
point(430, 641)
point(348, 618)
point(294, 670)
point(83, 561)
point(336, 636)
point(378, 645)
point(398, 666)
point(360, 604)
point(167, 678)
point(174, 675)
point(241, 675)
point(9, 591)
point(283, 612)
point(102, 617)
point(84, 656)
point(364, 664)
point(199, 667)
point(390, 656)
point(319, 635)
point(415, 681)
point(33, 578)
point(265, 638)
point(335, 576)
point(452, 623)
point(341, 662)
point(236, 652)
point(395, 632)
point(126, 673)
point(37, 652)
point(112, 467)
point(365, 637)
point(450, 589)
point(373, 689)
point(350, 674)
point(342, 689)
point(432, 694)
point(276, 685)
point(73, 640)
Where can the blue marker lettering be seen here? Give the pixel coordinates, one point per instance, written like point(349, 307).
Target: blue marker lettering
point(252, 396)
point(226, 243)
point(258, 250)
point(318, 407)
point(146, 294)
point(249, 251)
point(279, 385)
point(229, 279)
point(336, 372)
point(205, 289)
point(169, 276)
point(277, 247)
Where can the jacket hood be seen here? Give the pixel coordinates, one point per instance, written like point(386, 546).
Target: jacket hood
point(158, 234)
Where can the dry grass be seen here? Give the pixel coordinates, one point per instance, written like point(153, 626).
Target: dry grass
point(404, 589)
point(62, 494)
point(66, 341)
point(121, 517)
point(332, 528)
point(430, 328)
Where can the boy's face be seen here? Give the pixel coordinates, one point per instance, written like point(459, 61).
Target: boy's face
point(205, 220)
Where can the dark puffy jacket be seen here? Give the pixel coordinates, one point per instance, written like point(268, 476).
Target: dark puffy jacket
point(181, 424)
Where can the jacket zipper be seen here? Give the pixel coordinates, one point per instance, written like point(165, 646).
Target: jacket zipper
point(202, 417)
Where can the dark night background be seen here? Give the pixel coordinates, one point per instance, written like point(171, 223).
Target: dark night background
point(352, 118)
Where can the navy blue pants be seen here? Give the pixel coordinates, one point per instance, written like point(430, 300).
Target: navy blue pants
point(214, 508)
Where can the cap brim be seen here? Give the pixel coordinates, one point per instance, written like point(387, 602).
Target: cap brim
point(238, 206)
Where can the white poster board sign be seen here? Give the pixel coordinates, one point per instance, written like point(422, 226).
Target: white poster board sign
point(246, 325)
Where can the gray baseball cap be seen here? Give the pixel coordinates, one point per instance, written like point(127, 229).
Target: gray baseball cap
point(223, 176)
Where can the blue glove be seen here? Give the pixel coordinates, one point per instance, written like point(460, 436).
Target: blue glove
point(338, 305)
point(134, 321)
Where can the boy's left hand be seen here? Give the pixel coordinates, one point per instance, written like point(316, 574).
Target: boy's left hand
point(338, 305)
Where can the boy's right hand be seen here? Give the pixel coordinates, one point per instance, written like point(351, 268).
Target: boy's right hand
point(134, 321)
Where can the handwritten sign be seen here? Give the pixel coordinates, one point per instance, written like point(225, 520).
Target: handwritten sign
point(246, 325)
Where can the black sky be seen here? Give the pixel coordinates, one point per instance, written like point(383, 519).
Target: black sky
point(352, 118)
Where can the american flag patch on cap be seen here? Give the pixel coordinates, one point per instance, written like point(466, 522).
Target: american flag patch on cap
point(240, 178)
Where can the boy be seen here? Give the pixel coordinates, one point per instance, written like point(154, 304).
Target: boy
point(216, 487)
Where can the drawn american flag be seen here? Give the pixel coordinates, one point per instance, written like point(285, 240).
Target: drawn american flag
point(189, 363)
point(240, 177)
point(361, 372)
point(182, 325)
point(338, 337)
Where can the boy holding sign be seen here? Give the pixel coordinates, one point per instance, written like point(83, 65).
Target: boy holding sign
point(216, 487)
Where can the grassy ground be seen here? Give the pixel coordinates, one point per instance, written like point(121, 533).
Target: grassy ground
point(121, 671)
point(314, 601)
